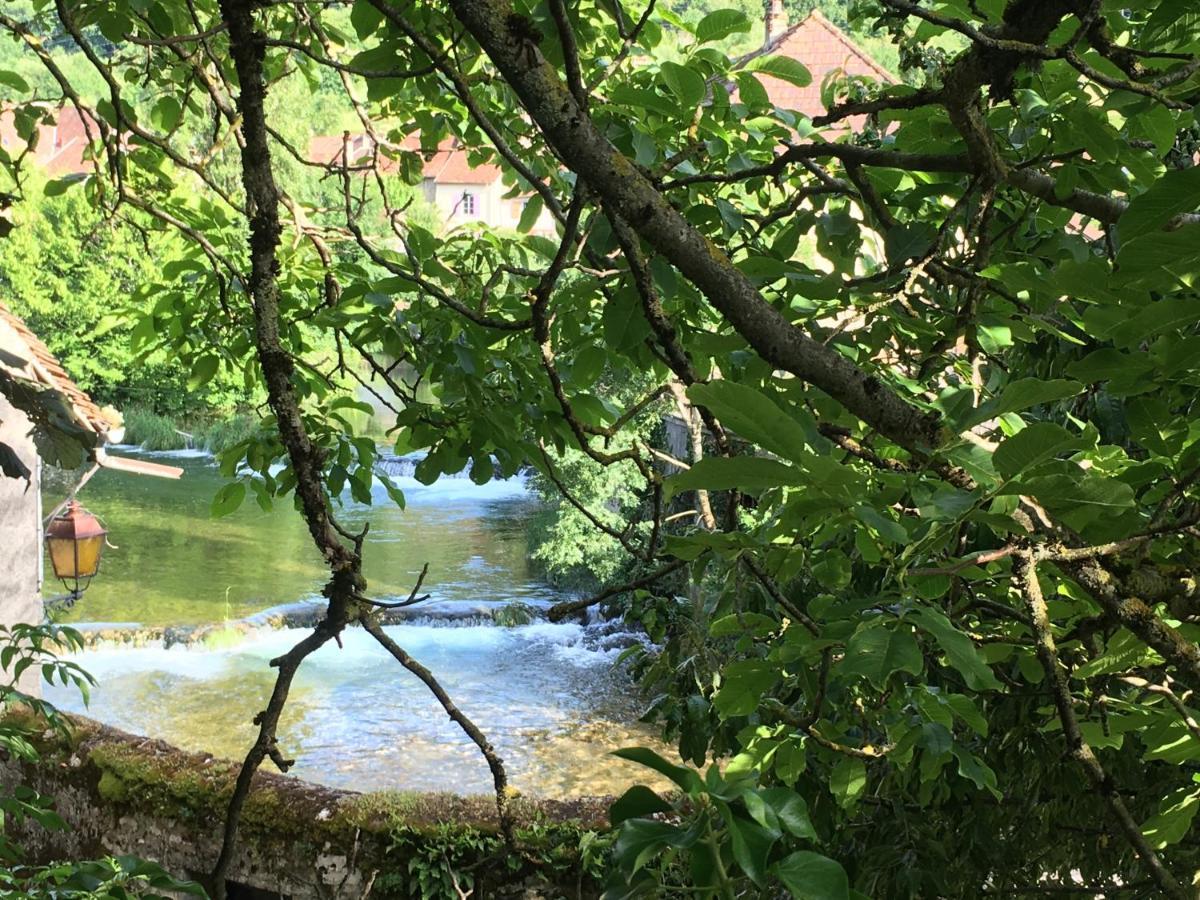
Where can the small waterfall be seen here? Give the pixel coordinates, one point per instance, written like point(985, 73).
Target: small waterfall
point(406, 466)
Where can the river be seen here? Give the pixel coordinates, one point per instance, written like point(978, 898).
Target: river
point(547, 695)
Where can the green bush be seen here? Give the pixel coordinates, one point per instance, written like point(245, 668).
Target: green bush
point(152, 431)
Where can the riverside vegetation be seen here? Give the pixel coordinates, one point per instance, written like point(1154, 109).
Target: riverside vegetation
point(922, 594)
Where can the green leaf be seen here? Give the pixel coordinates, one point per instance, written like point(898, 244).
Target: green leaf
point(960, 651)
point(365, 18)
point(976, 770)
point(908, 240)
point(228, 499)
point(624, 324)
point(782, 67)
point(720, 23)
point(166, 112)
point(753, 415)
point(203, 370)
point(751, 847)
point(685, 83)
point(1174, 24)
point(848, 780)
point(1164, 259)
point(791, 810)
point(751, 92)
point(687, 780)
point(1174, 818)
point(61, 185)
point(744, 682)
point(743, 623)
point(1075, 492)
point(1091, 124)
point(637, 802)
point(530, 213)
point(1021, 394)
point(750, 474)
point(14, 81)
point(1122, 653)
point(811, 876)
point(643, 100)
point(877, 651)
point(639, 839)
point(1033, 445)
point(1177, 191)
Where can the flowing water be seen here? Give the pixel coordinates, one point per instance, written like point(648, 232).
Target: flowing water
point(547, 695)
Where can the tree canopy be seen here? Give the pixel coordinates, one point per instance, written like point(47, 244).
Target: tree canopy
point(922, 592)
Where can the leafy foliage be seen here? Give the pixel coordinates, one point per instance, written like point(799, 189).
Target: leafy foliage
point(927, 572)
point(30, 652)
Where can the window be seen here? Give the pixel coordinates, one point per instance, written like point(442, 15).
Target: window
point(429, 189)
point(467, 204)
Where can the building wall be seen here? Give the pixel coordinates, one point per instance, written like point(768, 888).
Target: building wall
point(20, 526)
point(491, 206)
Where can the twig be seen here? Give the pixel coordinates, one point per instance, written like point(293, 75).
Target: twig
point(499, 776)
point(560, 611)
point(1025, 568)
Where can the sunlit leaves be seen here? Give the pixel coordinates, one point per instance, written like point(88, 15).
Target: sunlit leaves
point(810, 876)
point(720, 24)
point(782, 67)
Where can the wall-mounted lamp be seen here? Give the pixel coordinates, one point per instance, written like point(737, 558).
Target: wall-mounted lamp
point(75, 540)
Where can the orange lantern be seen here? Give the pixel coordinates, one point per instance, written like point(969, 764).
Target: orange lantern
point(75, 540)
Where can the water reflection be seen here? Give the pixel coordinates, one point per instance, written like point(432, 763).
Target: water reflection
point(173, 564)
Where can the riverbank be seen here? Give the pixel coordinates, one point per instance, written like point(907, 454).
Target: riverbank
point(152, 432)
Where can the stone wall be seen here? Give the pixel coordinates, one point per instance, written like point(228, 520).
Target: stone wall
point(20, 531)
point(123, 794)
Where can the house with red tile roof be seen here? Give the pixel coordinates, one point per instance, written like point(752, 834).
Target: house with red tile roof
point(61, 141)
point(827, 52)
point(460, 191)
point(463, 192)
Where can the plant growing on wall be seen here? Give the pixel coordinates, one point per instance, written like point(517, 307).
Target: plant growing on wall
point(937, 528)
point(32, 651)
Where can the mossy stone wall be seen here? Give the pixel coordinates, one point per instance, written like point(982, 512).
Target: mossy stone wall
point(122, 793)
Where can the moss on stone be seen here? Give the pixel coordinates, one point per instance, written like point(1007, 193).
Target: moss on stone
point(386, 831)
point(112, 788)
point(513, 614)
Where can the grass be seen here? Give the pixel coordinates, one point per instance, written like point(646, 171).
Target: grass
point(221, 434)
point(154, 432)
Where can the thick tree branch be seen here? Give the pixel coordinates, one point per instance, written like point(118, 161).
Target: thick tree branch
point(569, 130)
point(1025, 568)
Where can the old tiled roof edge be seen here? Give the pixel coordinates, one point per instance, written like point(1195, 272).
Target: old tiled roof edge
point(844, 39)
point(47, 370)
point(840, 36)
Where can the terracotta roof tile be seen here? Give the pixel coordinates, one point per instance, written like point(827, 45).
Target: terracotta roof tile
point(823, 48)
point(446, 165)
point(24, 355)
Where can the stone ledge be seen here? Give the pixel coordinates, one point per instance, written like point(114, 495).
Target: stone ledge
point(122, 793)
